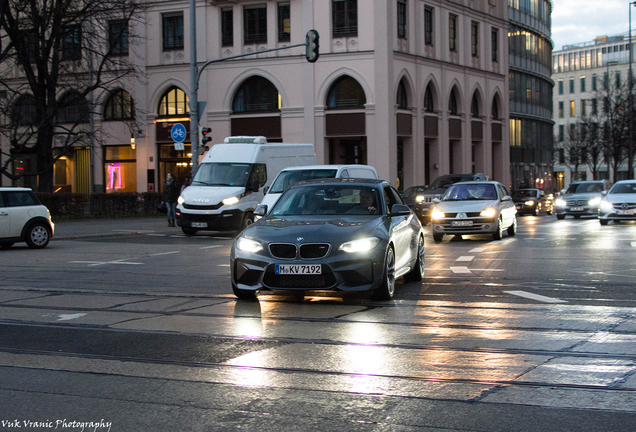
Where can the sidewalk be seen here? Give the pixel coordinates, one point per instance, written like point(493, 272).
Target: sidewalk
point(94, 228)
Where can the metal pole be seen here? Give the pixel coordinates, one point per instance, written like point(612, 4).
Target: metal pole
point(630, 149)
point(194, 87)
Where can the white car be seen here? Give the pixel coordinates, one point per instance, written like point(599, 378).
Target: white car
point(619, 203)
point(23, 219)
point(476, 207)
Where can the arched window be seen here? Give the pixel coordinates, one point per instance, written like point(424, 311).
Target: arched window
point(402, 99)
point(429, 103)
point(452, 103)
point(474, 106)
point(119, 106)
point(256, 94)
point(346, 93)
point(174, 102)
point(23, 111)
point(73, 108)
point(495, 109)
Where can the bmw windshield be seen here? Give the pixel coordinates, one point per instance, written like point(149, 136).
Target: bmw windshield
point(328, 200)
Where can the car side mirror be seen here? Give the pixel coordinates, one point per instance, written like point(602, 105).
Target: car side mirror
point(437, 200)
point(400, 210)
point(261, 210)
point(265, 189)
point(604, 193)
point(507, 198)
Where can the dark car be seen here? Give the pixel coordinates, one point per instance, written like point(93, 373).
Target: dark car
point(582, 198)
point(336, 235)
point(532, 201)
point(420, 198)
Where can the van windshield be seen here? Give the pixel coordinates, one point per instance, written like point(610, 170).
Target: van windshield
point(289, 178)
point(222, 174)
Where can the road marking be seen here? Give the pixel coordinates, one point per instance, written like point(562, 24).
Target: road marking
point(210, 247)
point(477, 250)
point(633, 244)
point(462, 270)
point(96, 263)
point(67, 317)
point(535, 297)
point(223, 265)
point(165, 253)
point(465, 258)
point(158, 235)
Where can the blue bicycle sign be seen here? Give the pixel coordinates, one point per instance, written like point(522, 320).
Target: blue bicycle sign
point(178, 133)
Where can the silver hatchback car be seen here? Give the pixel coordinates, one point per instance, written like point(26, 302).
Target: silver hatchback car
point(477, 207)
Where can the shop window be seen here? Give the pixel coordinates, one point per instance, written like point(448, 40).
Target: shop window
point(120, 169)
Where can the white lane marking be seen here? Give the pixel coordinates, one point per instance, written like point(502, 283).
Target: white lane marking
point(477, 250)
point(158, 235)
point(223, 265)
point(67, 317)
point(96, 263)
point(210, 247)
point(633, 244)
point(165, 253)
point(536, 297)
point(462, 270)
point(465, 258)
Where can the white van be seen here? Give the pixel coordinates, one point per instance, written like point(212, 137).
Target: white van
point(230, 181)
point(292, 175)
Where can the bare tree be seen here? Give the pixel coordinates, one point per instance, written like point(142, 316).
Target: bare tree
point(56, 58)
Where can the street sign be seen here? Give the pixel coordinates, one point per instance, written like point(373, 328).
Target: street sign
point(178, 133)
point(179, 146)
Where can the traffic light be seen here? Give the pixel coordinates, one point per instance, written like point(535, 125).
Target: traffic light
point(311, 46)
point(204, 133)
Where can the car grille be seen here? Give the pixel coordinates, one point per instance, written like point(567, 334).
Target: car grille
point(468, 215)
point(202, 207)
point(313, 251)
point(625, 206)
point(283, 250)
point(577, 203)
point(321, 281)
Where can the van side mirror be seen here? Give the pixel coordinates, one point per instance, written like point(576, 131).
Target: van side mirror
point(261, 210)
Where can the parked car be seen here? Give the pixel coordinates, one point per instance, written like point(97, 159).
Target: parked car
point(421, 201)
point(619, 203)
point(582, 198)
point(23, 219)
point(330, 234)
point(480, 207)
point(532, 201)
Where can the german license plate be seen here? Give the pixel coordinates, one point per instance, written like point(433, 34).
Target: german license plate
point(298, 269)
point(461, 223)
point(577, 208)
point(625, 212)
point(199, 224)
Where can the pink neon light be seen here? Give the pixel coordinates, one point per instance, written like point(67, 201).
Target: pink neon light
point(114, 177)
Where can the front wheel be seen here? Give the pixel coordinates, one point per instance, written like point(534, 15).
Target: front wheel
point(387, 289)
point(37, 236)
point(560, 216)
point(417, 273)
point(497, 235)
point(603, 221)
point(438, 237)
point(512, 229)
point(248, 220)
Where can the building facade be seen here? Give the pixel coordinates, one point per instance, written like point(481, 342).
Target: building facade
point(530, 93)
point(415, 88)
point(583, 72)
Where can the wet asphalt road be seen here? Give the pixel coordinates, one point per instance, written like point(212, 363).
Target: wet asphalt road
point(535, 332)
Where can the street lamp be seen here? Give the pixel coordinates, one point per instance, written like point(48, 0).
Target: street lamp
point(132, 141)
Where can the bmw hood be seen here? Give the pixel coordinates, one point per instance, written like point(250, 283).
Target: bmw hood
point(290, 229)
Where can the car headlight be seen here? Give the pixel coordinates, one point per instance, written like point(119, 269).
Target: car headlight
point(361, 245)
point(488, 212)
point(419, 198)
point(529, 203)
point(607, 206)
point(230, 201)
point(594, 202)
point(180, 200)
point(560, 202)
point(437, 214)
point(247, 245)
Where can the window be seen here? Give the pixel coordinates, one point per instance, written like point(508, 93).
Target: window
point(495, 109)
point(452, 32)
point(571, 85)
point(24, 111)
point(594, 88)
point(73, 108)
point(72, 44)
point(429, 104)
point(428, 25)
point(583, 84)
point(120, 169)
point(30, 45)
point(560, 86)
point(495, 44)
point(256, 94)
point(561, 133)
point(284, 23)
point(474, 39)
point(572, 109)
point(346, 93)
point(402, 99)
point(401, 19)
point(605, 81)
point(618, 79)
point(474, 107)
point(254, 24)
point(561, 109)
point(583, 108)
point(594, 106)
point(227, 27)
point(452, 104)
point(118, 37)
point(119, 106)
point(172, 31)
point(345, 18)
point(174, 102)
